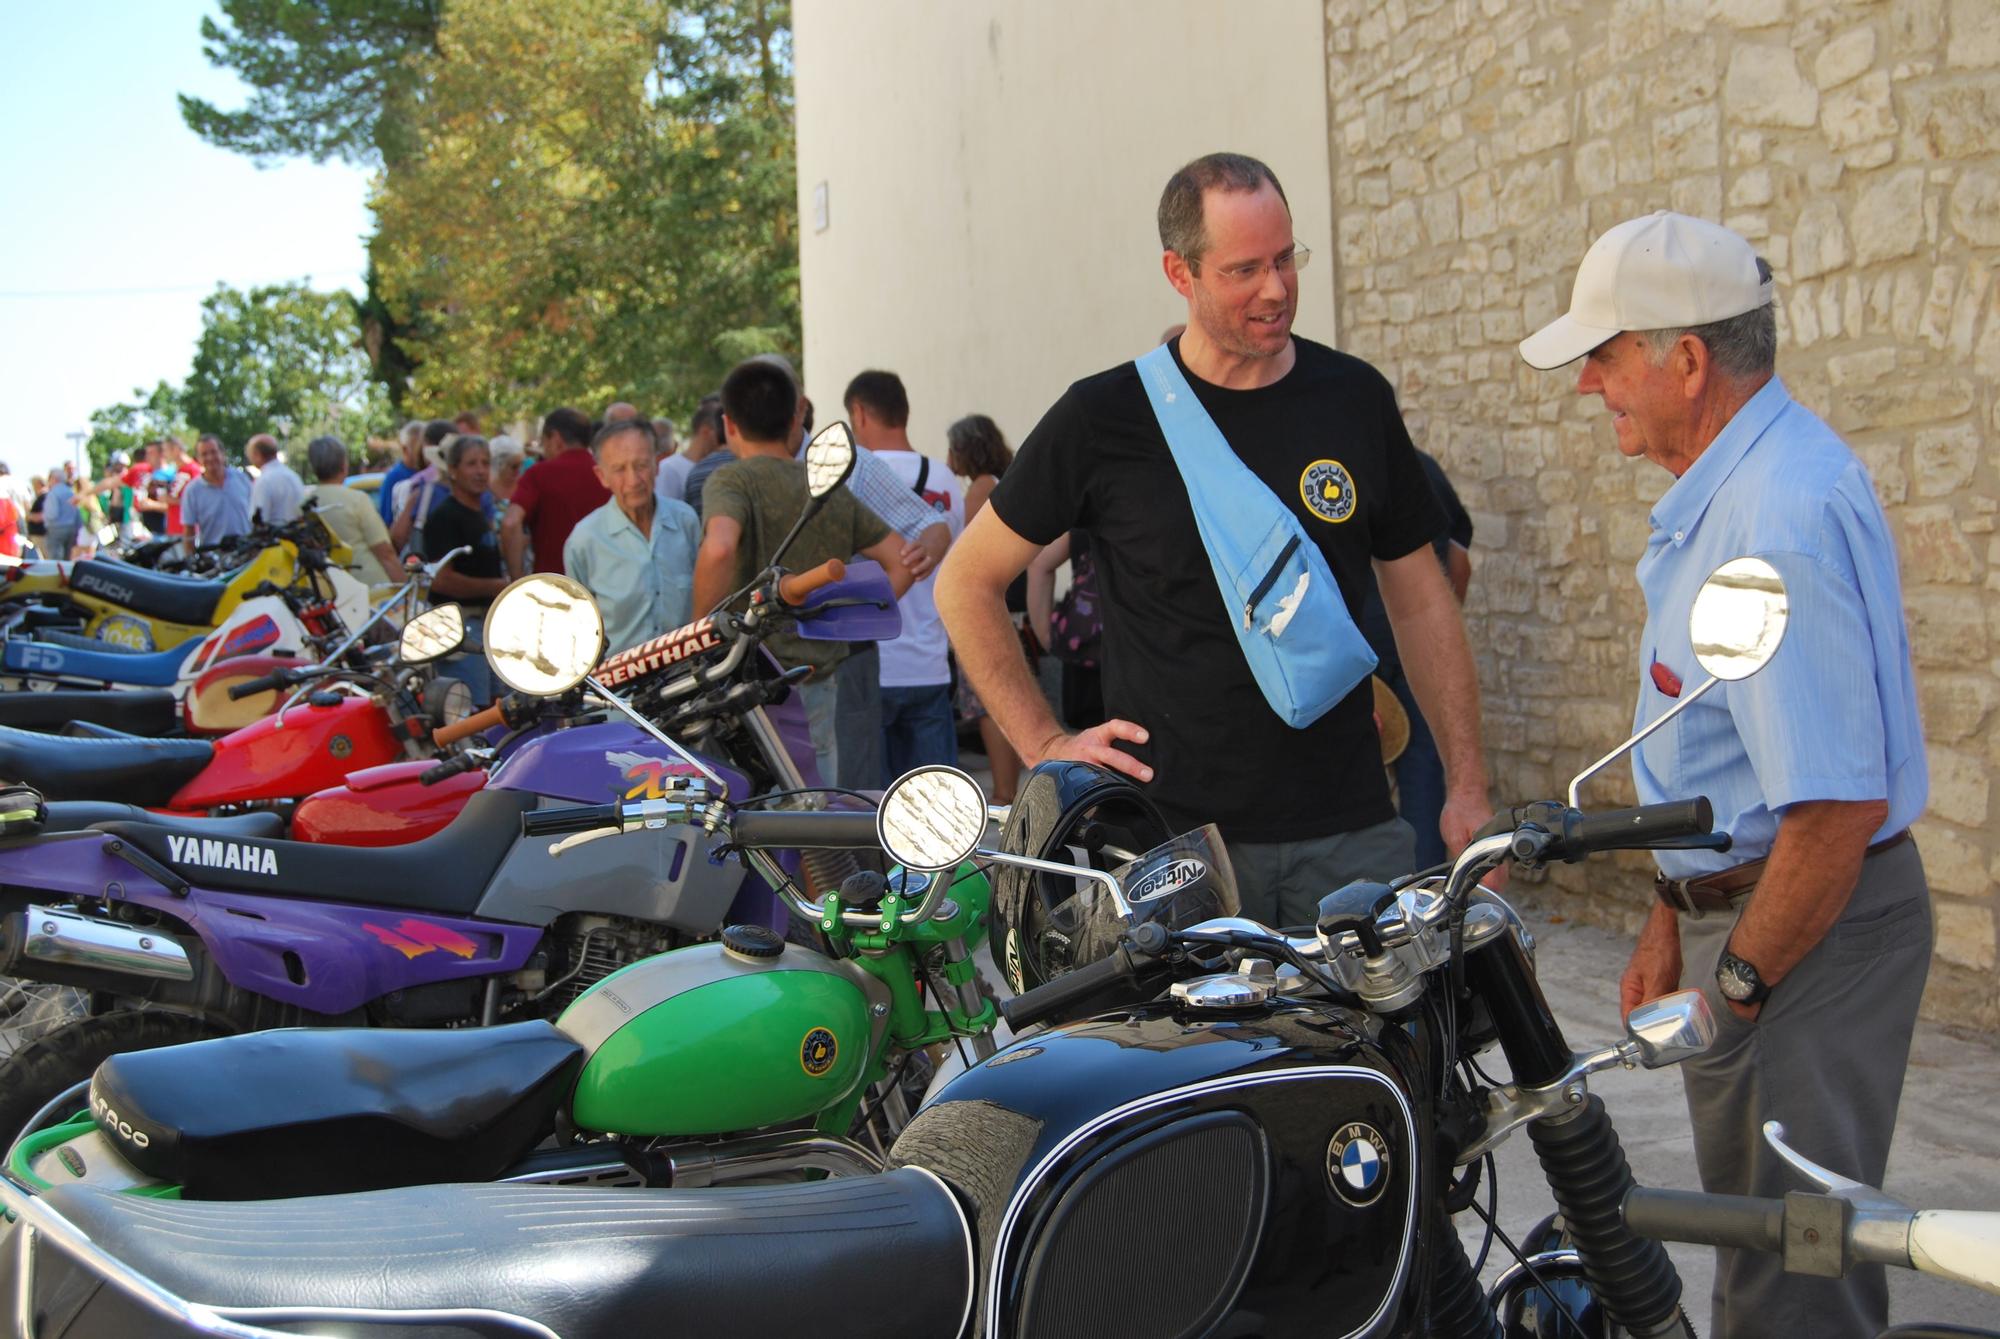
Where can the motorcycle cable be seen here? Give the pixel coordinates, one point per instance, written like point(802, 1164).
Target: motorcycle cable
point(756, 800)
point(1555, 1299)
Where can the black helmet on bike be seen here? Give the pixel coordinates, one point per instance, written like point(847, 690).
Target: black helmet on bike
point(1073, 813)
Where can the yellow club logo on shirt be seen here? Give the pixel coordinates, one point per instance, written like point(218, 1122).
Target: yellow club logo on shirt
point(1327, 489)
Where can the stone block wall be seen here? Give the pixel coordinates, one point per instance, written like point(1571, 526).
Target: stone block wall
point(1478, 146)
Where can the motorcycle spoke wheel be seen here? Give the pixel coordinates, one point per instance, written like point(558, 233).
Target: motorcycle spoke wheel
point(30, 1010)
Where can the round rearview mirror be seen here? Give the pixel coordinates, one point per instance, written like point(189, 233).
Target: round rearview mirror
point(931, 819)
point(432, 635)
point(829, 459)
point(544, 635)
point(1739, 618)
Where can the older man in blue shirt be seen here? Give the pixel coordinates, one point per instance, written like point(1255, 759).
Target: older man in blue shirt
point(1812, 934)
point(634, 554)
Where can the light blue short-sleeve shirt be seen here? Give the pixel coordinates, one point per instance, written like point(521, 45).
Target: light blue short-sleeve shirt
point(643, 584)
point(1834, 715)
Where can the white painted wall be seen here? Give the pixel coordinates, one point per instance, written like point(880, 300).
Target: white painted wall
point(991, 171)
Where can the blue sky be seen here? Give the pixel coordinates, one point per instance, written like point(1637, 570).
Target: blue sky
point(117, 220)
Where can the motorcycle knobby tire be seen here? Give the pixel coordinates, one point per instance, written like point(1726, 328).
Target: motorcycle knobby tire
point(39, 1072)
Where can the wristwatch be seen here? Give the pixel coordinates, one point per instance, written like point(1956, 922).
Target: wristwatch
point(1739, 981)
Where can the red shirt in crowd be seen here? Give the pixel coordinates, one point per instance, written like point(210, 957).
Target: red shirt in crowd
point(553, 497)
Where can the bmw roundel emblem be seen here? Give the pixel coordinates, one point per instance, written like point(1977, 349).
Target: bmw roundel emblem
point(1357, 1163)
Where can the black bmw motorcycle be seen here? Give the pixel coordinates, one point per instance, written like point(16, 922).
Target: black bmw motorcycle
point(1219, 1129)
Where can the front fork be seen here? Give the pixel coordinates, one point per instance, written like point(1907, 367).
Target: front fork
point(1578, 1149)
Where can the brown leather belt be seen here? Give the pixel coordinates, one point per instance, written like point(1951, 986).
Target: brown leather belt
point(1726, 889)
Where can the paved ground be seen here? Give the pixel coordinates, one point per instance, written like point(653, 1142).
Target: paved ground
point(1946, 1154)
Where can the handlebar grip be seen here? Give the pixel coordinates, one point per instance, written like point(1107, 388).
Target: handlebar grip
point(446, 735)
point(262, 684)
point(1649, 823)
point(572, 818)
point(1069, 990)
point(843, 829)
point(795, 588)
point(449, 768)
point(1743, 1221)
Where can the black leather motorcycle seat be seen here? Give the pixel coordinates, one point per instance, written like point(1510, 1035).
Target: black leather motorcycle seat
point(870, 1257)
point(76, 815)
point(92, 730)
point(139, 711)
point(174, 599)
point(314, 1111)
point(138, 771)
point(446, 872)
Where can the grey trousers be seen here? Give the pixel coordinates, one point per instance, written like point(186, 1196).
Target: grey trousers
point(844, 714)
point(1826, 1056)
point(1282, 882)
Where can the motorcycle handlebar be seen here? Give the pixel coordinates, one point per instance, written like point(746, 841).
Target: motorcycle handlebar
point(794, 589)
point(1747, 1222)
point(843, 829)
point(446, 735)
point(1072, 988)
point(262, 684)
point(572, 818)
point(1646, 825)
point(447, 769)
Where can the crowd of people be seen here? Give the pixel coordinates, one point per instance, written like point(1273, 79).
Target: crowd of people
point(165, 493)
point(660, 526)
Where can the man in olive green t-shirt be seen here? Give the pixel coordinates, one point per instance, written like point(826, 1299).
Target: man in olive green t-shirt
point(748, 507)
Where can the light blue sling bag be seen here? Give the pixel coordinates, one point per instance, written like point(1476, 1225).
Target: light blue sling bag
point(1281, 598)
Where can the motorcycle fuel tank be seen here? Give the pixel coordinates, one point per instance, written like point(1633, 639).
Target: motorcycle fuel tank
point(1253, 1172)
point(307, 748)
point(590, 764)
point(711, 1039)
point(383, 806)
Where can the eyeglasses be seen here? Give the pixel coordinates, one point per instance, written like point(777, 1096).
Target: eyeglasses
point(1253, 272)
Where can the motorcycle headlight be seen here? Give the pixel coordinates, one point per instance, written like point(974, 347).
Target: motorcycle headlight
point(447, 701)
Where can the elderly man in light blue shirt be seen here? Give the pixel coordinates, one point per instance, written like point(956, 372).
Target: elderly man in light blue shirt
point(634, 554)
point(1812, 934)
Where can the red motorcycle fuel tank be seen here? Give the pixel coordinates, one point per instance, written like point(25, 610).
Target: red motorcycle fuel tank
point(279, 757)
point(383, 806)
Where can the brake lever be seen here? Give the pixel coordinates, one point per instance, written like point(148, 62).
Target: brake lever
point(576, 839)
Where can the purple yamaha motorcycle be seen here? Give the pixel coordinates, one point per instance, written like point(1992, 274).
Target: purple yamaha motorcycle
point(186, 928)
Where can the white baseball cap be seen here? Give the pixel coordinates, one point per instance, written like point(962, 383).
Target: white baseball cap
point(1665, 271)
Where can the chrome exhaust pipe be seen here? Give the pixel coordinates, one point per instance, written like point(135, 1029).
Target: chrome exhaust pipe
point(68, 939)
point(764, 1155)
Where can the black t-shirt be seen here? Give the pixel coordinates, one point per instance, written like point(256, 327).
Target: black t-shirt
point(1458, 530)
point(1171, 660)
point(452, 523)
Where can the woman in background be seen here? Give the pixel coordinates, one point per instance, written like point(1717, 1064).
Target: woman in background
point(978, 453)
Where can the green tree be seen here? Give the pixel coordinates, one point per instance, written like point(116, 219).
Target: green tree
point(147, 417)
point(282, 359)
point(577, 201)
point(329, 79)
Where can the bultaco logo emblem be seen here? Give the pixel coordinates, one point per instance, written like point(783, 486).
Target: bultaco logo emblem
point(1167, 879)
point(1327, 489)
point(818, 1052)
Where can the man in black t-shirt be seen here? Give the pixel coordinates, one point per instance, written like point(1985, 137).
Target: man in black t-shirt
point(1303, 810)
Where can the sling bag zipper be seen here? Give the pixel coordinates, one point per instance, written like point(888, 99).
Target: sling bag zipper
point(1264, 586)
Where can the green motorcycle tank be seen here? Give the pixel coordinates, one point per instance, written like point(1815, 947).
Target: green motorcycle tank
point(711, 1039)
